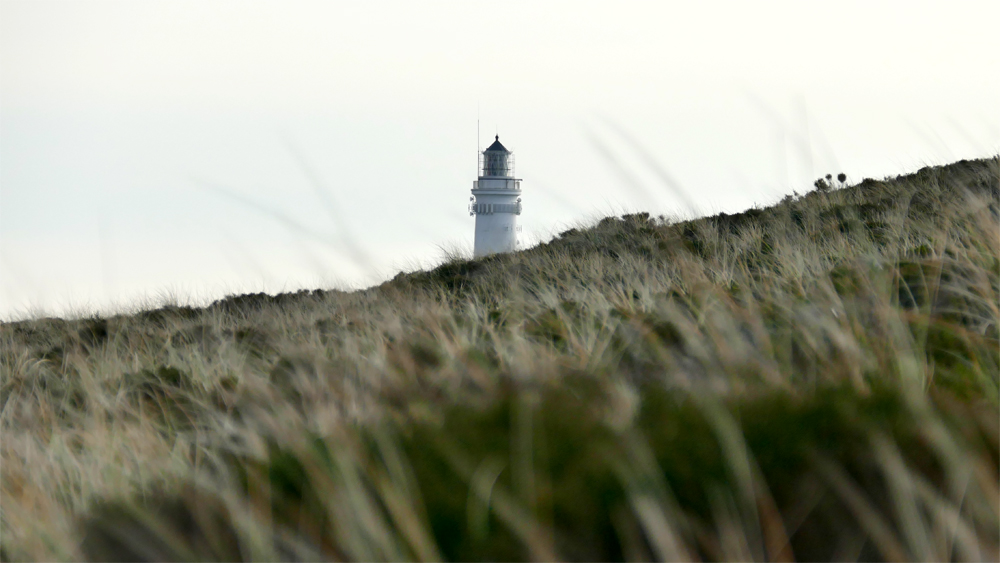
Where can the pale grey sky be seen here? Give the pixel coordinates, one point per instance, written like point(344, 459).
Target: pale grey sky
point(194, 149)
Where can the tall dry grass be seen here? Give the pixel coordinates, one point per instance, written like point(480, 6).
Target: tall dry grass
point(814, 380)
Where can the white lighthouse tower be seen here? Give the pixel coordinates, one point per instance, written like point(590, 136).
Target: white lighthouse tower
point(496, 202)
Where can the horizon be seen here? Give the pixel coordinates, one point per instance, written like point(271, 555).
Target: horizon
point(203, 149)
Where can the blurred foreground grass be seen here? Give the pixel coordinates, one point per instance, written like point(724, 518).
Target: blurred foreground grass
point(817, 380)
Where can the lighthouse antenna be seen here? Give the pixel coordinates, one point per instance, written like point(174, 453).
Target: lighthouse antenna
point(479, 146)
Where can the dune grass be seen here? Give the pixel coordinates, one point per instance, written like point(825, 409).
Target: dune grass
point(817, 380)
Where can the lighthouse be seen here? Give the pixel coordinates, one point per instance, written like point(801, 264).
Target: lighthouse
point(496, 201)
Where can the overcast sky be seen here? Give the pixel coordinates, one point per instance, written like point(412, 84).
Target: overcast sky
point(186, 150)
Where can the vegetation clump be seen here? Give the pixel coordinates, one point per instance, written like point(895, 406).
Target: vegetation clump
point(816, 380)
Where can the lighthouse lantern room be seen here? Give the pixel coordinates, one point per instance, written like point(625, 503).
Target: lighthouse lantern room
point(496, 201)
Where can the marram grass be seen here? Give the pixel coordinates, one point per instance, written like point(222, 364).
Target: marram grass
point(817, 380)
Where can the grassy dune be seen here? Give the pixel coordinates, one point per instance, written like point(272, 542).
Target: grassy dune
point(816, 380)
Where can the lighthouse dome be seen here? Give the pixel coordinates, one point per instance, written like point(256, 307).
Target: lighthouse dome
point(497, 146)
